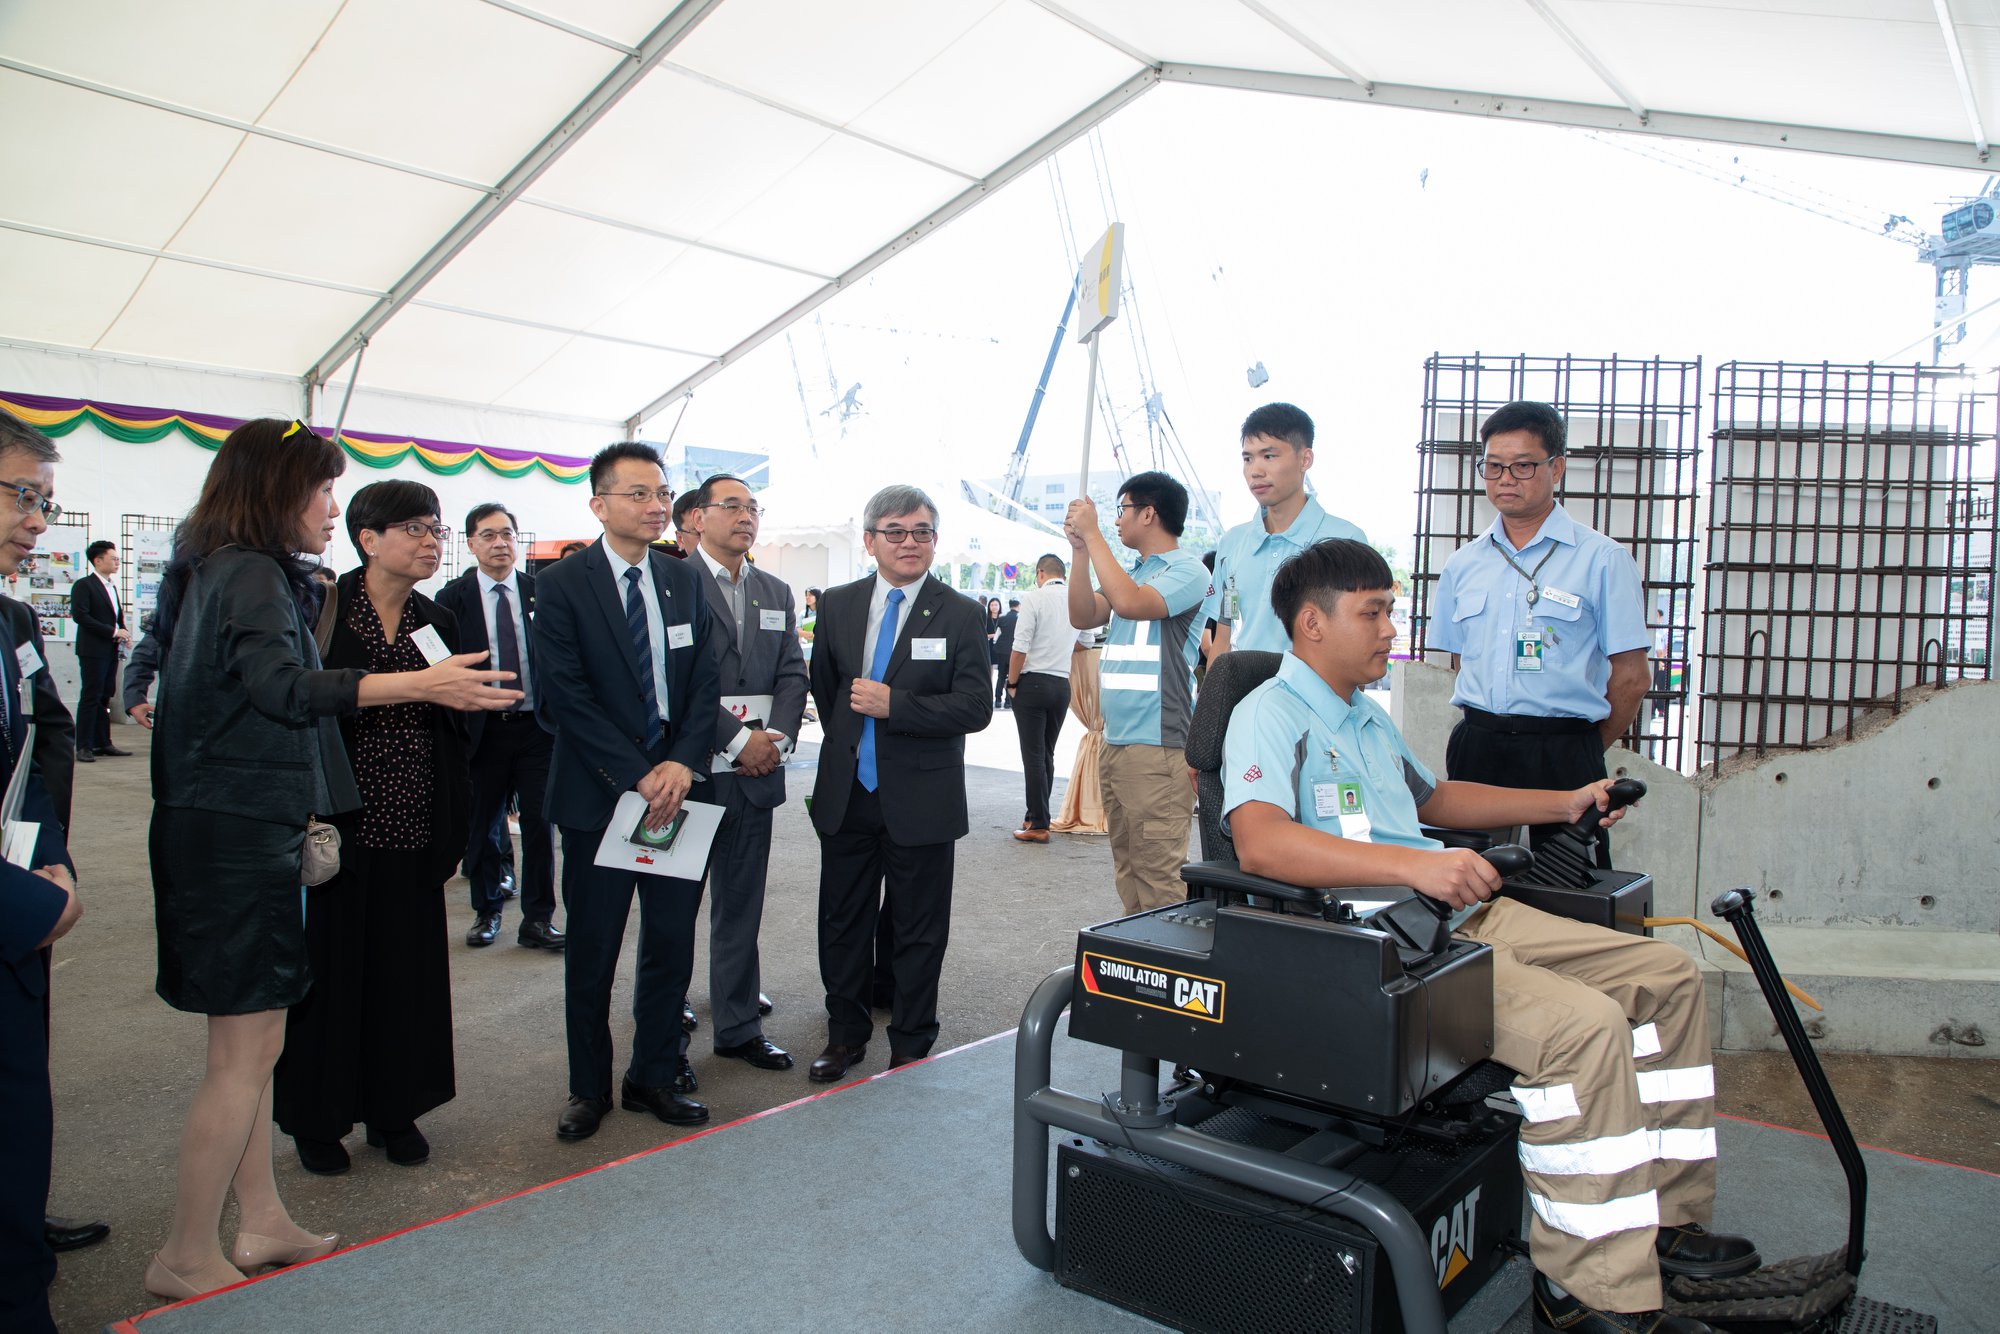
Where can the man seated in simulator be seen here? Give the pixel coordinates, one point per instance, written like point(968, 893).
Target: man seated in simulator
point(1608, 1031)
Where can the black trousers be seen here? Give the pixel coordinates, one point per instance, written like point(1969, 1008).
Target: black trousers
point(371, 1041)
point(597, 901)
point(27, 1265)
point(512, 760)
point(857, 864)
point(93, 705)
point(1041, 702)
point(1518, 750)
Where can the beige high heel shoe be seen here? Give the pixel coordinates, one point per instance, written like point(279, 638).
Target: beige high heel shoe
point(253, 1251)
point(164, 1282)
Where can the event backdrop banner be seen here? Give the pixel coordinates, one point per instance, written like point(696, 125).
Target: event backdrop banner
point(60, 416)
point(148, 550)
point(44, 578)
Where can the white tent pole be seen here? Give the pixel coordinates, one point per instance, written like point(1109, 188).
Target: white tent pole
point(1089, 414)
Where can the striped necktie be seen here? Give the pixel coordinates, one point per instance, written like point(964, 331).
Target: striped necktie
point(642, 649)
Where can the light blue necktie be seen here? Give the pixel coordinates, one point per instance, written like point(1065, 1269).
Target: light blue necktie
point(885, 644)
point(642, 647)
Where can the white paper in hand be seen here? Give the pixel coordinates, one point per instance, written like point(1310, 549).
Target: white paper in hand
point(687, 859)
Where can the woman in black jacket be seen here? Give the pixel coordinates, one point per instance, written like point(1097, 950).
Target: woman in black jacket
point(245, 752)
point(371, 1042)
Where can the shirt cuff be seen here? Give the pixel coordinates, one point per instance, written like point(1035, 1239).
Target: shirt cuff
point(735, 747)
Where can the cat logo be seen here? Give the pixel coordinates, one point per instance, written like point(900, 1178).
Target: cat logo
point(1453, 1238)
point(1196, 996)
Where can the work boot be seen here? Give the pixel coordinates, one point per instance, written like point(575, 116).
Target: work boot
point(1568, 1315)
point(1692, 1251)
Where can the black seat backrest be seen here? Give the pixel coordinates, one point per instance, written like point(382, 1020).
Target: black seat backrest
point(1230, 677)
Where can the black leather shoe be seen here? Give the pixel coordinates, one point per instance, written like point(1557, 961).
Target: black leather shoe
point(484, 931)
point(1567, 1315)
point(763, 1004)
point(684, 1080)
point(580, 1118)
point(85, 757)
point(833, 1063)
point(759, 1051)
point(507, 887)
point(73, 1234)
point(1692, 1251)
point(406, 1147)
point(688, 1021)
point(898, 1062)
point(666, 1104)
point(112, 750)
point(540, 936)
point(322, 1157)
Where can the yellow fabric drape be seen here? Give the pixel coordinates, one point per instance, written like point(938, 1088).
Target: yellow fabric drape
point(1083, 803)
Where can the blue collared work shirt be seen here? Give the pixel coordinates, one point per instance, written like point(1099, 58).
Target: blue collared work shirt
point(1146, 681)
point(1251, 557)
point(1591, 606)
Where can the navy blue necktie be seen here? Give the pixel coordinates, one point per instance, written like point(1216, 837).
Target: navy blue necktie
point(885, 644)
point(642, 648)
point(507, 653)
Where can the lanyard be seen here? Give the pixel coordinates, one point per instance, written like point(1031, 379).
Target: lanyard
point(1534, 589)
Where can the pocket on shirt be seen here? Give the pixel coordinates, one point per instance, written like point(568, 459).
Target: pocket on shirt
point(1470, 603)
point(1575, 628)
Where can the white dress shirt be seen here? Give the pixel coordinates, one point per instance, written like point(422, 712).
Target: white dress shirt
point(491, 606)
point(739, 611)
point(656, 623)
point(1043, 635)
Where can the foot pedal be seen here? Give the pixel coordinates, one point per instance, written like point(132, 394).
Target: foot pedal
point(1806, 1293)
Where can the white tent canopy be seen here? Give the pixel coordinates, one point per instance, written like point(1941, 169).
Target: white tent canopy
point(582, 208)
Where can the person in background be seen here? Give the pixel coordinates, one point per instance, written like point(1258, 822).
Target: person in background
point(1038, 667)
point(1003, 650)
point(371, 1041)
point(100, 637)
point(247, 752)
point(570, 549)
point(687, 533)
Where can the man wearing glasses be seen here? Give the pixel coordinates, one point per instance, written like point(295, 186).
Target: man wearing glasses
point(900, 673)
point(763, 674)
point(1146, 683)
point(1545, 621)
point(625, 677)
point(495, 606)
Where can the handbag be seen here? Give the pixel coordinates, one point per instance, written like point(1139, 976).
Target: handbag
point(319, 862)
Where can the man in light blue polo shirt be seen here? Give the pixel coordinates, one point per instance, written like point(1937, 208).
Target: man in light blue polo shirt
point(1607, 1032)
point(1146, 679)
point(1546, 620)
point(1277, 454)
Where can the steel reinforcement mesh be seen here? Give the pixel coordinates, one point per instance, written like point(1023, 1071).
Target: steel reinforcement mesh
point(1634, 436)
point(1850, 548)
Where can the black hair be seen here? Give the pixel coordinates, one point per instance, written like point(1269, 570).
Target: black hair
point(1168, 498)
point(1325, 570)
point(17, 434)
point(257, 486)
point(98, 548)
point(1538, 419)
point(379, 505)
point(705, 494)
point(491, 507)
point(607, 459)
point(1280, 421)
point(685, 506)
point(1051, 565)
point(812, 592)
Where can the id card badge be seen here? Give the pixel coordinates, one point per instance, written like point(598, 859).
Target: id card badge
point(27, 659)
point(771, 618)
point(927, 650)
point(430, 643)
point(1232, 602)
point(1354, 822)
point(680, 636)
point(1528, 651)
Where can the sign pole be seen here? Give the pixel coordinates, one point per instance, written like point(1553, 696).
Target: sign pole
point(1089, 415)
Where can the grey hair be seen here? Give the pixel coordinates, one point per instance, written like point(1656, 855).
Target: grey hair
point(896, 500)
point(17, 434)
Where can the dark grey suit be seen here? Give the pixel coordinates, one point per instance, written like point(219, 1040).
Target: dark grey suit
point(763, 660)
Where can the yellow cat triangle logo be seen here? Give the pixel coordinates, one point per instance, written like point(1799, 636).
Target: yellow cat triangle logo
point(1454, 1266)
point(1193, 1004)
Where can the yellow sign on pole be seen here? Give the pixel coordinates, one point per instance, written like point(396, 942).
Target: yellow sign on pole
point(1099, 281)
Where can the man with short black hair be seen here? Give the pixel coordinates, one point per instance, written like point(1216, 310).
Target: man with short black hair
point(100, 637)
point(509, 752)
point(1037, 673)
point(1146, 684)
point(687, 526)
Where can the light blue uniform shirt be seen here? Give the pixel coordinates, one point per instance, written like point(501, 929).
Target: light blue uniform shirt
point(1590, 606)
point(1146, 679)
point(1251, 557)
point(1337, 766)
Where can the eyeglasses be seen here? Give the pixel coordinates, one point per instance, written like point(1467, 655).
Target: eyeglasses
point(494, 535)
point(29, 500)
point(639, 495)
point(418, 529)
point(1520, 469)
point(1124, 505)
point(735, 507)
point(895, 537)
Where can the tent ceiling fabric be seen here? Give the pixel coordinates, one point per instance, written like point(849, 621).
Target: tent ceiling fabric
point(236, 184)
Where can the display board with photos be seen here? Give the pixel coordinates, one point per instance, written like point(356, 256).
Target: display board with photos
point(44, 577)
point(147, 542)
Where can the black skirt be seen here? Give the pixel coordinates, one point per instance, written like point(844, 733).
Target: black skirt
point(230, 912)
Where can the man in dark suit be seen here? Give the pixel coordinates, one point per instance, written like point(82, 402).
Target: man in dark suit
point(37, 908)
point(495, 606)
point(626, 680)
point(763, 674)
point(100, 634)
point(900, 674)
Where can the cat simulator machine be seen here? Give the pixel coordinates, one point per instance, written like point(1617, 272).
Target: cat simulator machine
point(1336, 1150)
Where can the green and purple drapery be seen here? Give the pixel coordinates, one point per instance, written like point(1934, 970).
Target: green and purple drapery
point(60, 416)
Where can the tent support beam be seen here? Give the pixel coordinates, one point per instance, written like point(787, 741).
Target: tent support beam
point(1025, 160)
point(1595, 116)
point(1965, 91)
point(658, 44)
point(1263, 12)
point(1589, 57)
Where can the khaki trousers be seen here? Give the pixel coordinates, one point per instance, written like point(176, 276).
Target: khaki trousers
point(1148, 804)
point(1609, 1034)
